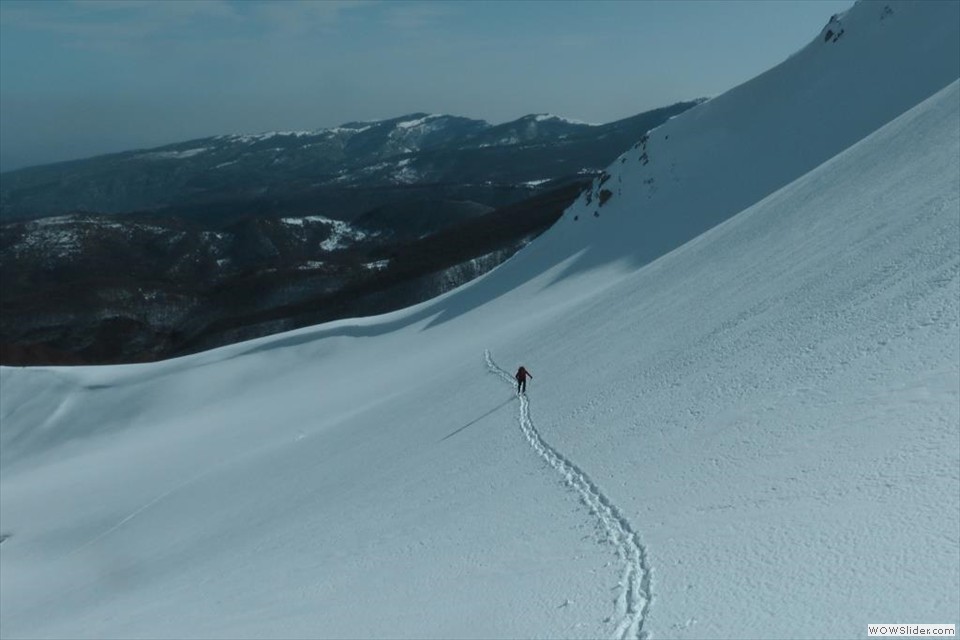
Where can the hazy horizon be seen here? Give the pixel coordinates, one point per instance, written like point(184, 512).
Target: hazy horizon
point(79, 79)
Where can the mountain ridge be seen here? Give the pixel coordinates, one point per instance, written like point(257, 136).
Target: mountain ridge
point(140, 284)
point(423, 149)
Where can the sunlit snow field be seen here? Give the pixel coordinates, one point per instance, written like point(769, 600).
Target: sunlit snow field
point(744, 419)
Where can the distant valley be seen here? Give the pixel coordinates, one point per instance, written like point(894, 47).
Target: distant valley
point(149, 254)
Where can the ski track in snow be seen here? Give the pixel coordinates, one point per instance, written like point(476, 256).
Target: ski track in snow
point(633, 601)
point(163, 496)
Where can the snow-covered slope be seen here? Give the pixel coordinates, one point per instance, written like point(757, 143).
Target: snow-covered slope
point(753, 435)
point(708, 164)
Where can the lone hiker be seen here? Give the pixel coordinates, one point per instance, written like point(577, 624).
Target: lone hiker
point(522, 375)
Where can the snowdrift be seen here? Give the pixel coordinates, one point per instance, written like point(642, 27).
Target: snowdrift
point(743, 420)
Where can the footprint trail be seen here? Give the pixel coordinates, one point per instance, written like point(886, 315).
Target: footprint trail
point(633, 601)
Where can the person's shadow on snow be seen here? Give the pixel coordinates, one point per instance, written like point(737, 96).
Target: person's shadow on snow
point(476, 420)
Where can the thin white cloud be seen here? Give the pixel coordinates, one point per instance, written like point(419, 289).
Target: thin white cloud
point(416, 16)
point(103, 22)
point(292, 18)
point(111, 22)
point(161, 9)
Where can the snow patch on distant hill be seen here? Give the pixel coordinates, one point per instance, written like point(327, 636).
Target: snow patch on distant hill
point(409, 124)
point(248, 138)
point(62, 236)
point(348, 129)
point(546, 117)
point(342, 234)
point(536, 183)
point(172, 155)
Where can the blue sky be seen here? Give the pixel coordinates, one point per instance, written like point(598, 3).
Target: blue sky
point(78, 78)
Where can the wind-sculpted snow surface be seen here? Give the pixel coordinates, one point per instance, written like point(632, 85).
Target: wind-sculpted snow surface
point(634, 600)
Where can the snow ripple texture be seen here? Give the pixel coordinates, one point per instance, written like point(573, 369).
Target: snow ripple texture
point(633, 601)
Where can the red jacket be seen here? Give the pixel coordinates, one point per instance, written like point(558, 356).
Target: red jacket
point(523, 374)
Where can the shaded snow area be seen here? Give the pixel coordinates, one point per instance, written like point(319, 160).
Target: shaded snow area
point(743, 422)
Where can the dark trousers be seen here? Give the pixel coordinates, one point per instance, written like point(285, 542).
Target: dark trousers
point(521, 385)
